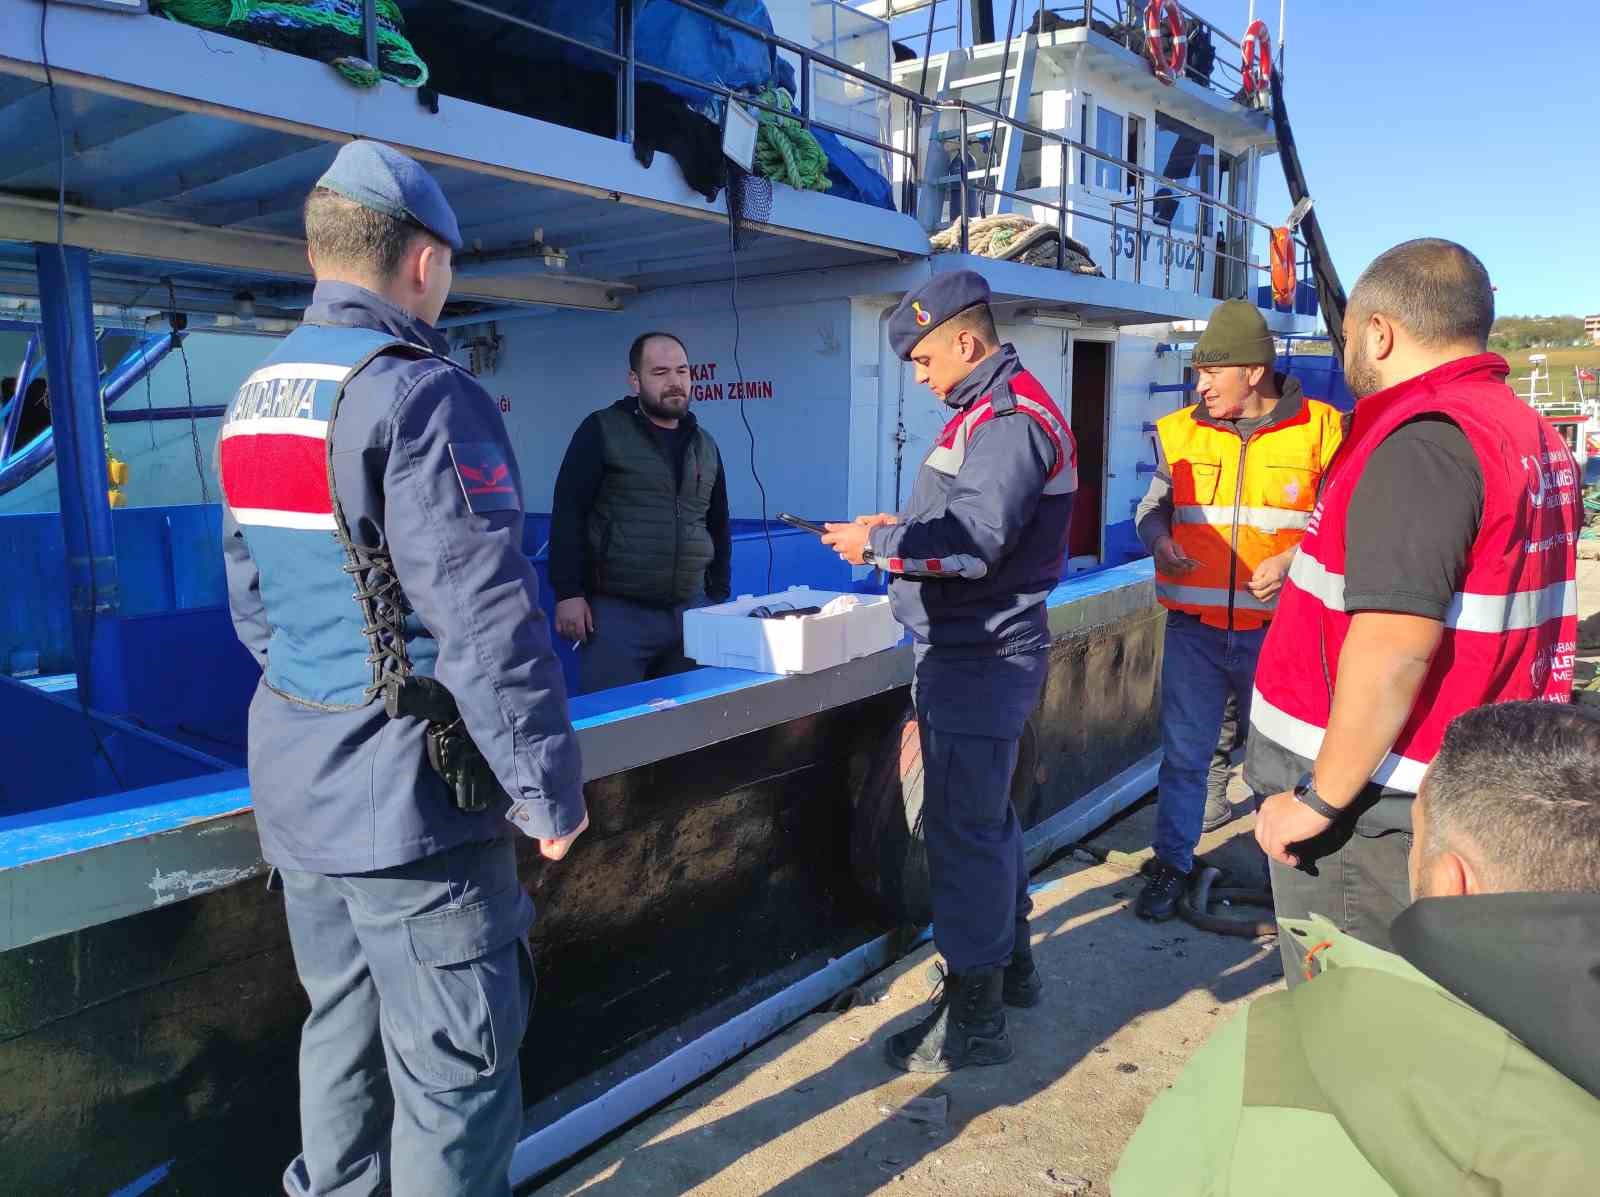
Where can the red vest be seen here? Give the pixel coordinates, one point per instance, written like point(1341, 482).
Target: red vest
point(1511, 632)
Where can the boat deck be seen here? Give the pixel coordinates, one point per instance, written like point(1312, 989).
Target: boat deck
point(190, 835)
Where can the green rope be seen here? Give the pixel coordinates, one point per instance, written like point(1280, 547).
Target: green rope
point(786, 152)
point(328, 30)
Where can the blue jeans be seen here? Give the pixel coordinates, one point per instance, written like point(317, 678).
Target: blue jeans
point(1201, 665)
point(420, 983)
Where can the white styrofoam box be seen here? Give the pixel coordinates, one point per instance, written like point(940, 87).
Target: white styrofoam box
point(726, 636)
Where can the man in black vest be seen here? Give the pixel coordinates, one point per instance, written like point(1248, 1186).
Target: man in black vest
point(639, 531)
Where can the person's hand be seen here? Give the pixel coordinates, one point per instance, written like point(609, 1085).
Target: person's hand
point(1282, 821)
point(848, 540)
point(1268, 578)
point(574, 620)
point(882, 520)
point(1170, 559)
point(556, 849)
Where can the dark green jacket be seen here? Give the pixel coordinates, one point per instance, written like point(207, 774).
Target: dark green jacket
point(1379, 1078)
point(627, 523)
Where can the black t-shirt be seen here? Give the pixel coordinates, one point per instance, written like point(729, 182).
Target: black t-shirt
point(673, 442)
point(1412, 520)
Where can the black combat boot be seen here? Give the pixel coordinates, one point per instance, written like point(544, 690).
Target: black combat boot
point(967, 1027)
point(1159, 901)
point(1023, 987)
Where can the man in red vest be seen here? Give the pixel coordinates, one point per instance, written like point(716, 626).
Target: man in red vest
point(1437, 574)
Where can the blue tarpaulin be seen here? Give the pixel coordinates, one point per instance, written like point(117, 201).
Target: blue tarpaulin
point(852, 178)
point(682, 41)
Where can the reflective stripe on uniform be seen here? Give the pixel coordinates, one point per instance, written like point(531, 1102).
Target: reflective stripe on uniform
point(304, 521)
point(276, 426)
point(1209, 596)
point(960, 566)
point(1305, 740)
point(1270, 519)
point(1468, 612)
point(1060, 436)
point(316, 371)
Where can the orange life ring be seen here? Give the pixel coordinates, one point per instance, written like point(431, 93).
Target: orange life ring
point(1257, 66)
point(1168, 64)
point(1283, 277)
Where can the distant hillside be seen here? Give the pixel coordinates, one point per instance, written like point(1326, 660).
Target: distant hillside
point(1535, 332)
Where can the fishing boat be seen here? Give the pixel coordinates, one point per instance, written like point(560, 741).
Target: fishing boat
point(1576, 417)
point(754, 848)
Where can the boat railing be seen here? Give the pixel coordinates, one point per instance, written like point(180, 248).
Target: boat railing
point(1226, 78)
point(1123, 216)
point(900, 137)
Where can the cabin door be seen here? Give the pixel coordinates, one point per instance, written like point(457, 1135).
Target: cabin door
point(1089, 414)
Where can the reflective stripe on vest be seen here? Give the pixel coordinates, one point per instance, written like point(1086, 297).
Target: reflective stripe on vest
point(1492, 613)
point(273, 459)
point(1185, 597)
point(1510, 632)
point(1268, 519)
point(1305, 739)
point(1230, 522)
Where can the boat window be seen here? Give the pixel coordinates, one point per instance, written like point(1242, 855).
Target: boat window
point(1108, 128)
point(1135, 150)
point(1083, 135)
point(1185, 155)
point(1030, 172)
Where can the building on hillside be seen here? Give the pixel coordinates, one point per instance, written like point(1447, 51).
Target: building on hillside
point(1591, 329)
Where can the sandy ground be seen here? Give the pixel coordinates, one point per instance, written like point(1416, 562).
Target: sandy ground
point(816, 1111)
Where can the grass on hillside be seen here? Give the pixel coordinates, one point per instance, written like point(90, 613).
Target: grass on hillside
point(1559, 362)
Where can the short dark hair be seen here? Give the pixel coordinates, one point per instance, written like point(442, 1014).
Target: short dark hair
point(1436, 290)
point(636, 350)
point(978, 320)
point(345, 233)
point(1516, 786)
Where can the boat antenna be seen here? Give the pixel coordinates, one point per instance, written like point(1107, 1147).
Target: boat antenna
point(1330, 291)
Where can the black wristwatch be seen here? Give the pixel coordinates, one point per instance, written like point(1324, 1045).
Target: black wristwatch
point(1305, 793)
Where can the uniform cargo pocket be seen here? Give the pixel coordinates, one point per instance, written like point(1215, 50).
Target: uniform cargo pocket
point(474, 987)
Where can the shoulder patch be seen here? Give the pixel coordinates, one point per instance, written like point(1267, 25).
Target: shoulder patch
point(485, 476)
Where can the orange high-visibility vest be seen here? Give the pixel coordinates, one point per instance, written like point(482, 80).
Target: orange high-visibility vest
point(1237, 502)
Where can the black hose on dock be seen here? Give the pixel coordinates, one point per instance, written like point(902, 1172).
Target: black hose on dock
point(1196, 907)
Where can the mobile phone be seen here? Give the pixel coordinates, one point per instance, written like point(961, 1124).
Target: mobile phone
point(794, 521)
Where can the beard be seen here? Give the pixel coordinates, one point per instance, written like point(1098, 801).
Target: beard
point(1359, 372)
point(671, 404)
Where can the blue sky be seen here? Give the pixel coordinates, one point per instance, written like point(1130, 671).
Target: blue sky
point(1465, 120)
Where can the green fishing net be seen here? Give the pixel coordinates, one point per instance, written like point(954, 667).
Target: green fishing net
point(326, 30)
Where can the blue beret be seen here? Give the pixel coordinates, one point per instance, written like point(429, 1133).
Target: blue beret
point(930, 305)
point(380, 177)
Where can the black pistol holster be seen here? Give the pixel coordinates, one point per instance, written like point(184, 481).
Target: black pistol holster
point(451, 752)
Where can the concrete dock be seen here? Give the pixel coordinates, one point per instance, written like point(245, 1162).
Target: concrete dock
point(817, 1111)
